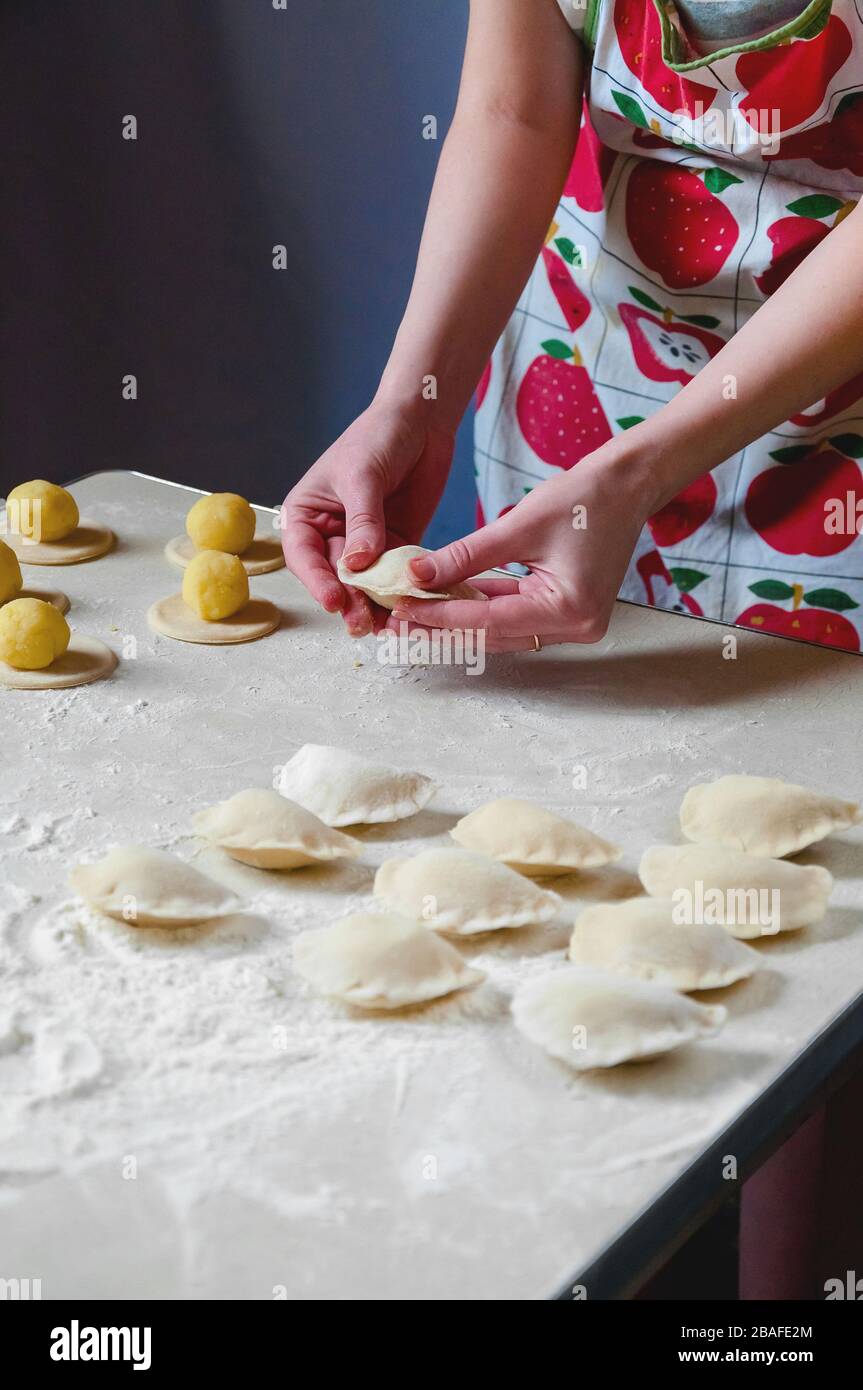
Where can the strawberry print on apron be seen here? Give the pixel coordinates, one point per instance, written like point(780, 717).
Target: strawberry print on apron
point(699, 184)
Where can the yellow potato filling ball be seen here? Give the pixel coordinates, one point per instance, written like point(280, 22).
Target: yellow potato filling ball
point(221, 522)
point(215, 585)
point(42, 511)
point(10, 573)
point(32, 634)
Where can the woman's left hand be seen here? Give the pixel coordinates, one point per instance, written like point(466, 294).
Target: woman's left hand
point(575, 533)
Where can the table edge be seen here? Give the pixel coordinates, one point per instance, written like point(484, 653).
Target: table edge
point(660, 1228)
point(495, 569)
point(652, 1237)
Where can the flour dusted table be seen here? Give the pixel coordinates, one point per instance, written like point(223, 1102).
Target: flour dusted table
point(184, 1121)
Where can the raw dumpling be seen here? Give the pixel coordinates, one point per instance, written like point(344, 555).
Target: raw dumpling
point(388, 579)
point(530, 839)
point(453, 890)
point(762, 815)
point(640, 937)
point(262, 828)
point(149, 888)
point(757, 896)
point(381, 961)
point(343, 789)
point(591, 1018)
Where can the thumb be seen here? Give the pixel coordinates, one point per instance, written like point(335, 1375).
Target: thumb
point(365, 528)
point(494, 544)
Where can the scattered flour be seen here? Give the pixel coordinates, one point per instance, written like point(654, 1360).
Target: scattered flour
point(281, 1136)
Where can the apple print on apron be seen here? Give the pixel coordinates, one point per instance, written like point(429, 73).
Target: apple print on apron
point(699, 184)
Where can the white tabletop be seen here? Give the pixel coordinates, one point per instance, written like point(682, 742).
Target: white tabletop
point(184, 1119)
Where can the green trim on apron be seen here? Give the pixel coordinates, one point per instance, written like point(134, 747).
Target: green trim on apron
point(807, 25)
point(590, 23)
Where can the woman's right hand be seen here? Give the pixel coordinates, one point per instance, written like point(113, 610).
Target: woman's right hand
point(376, 487)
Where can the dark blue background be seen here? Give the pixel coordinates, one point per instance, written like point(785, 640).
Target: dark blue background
point(256, 126)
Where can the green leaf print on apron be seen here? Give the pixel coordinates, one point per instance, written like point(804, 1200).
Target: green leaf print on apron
point(700, 182)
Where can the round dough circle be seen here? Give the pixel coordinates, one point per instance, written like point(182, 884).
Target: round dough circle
point(88, 541)
point(55, 596)
point(263, 555)
point(85, 660)
point(172, 617)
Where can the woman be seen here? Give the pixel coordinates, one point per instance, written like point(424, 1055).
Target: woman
point(672, 411)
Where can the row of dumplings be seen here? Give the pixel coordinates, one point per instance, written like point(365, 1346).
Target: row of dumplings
point(631, 962)
point(623, 999)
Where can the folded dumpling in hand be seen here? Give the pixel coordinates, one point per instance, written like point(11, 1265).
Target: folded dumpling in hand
point(389, 579)
point(263, 828)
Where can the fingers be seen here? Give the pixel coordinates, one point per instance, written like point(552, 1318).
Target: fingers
point(497, 646)
point(493, 588)
point(358, 611)
point(508, 615)
point(357, 614)
point(527, 644)
point(455, 614)
point(306, 556)
point(365, 528)
point(312, 557)
point(466, 557)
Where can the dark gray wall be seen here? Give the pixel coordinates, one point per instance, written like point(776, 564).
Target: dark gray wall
point(256, 126)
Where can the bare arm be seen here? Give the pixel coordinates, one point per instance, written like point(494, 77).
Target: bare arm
point(498, 183)
point(803, 342)
point(500, 175)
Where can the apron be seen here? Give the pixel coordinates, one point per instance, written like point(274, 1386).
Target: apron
point(699, 184)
